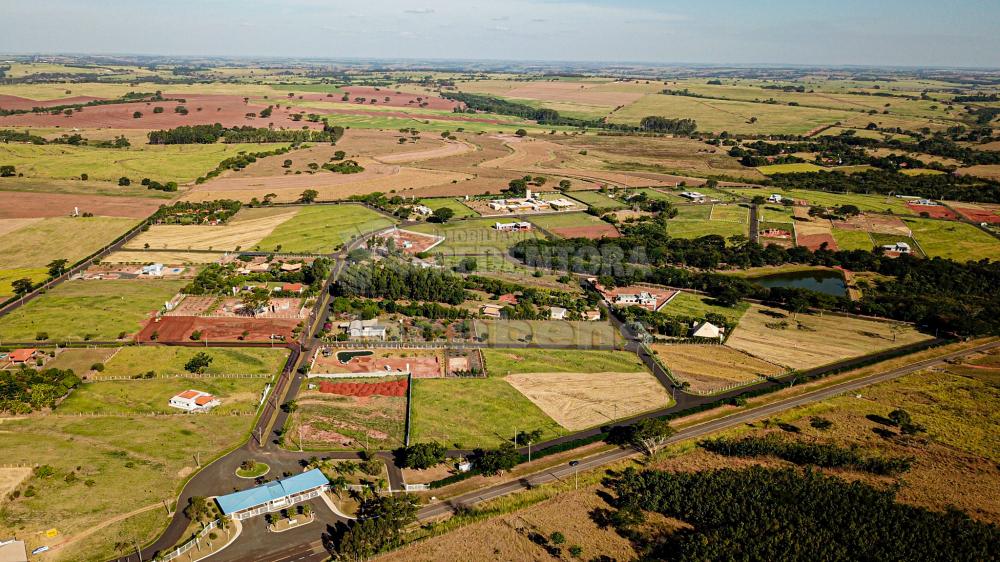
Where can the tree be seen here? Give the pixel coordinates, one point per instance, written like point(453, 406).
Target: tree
point(7, 171)
point(308, 196)
point(255, 300)
point(22, 286)
point(521, 133)
point(124, 181)
point(199, 363)
point(443, 214)
point(137, 115)
point(57, 267)
point(495, 461)
point(648, 435)
point(564, 185)
point(422, 455)
point(198, 509)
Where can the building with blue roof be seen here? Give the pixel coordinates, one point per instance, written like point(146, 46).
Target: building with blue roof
point(274, 496)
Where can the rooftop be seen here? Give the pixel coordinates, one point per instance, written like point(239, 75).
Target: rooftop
point(247, 499)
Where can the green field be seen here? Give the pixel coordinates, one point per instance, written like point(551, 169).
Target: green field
point(118, 463)
point(474, 236)
point(853, 239)
point(151, 395)
point(597, 200)
point(321, 229)
point(8, 276)
point(89, 187)
point(37, 244)
point(548, 332)
point(789, 168)
point(876, 203)
point(503, 362)
point(730, 213)
point(955, 240)
point(461, 211)
point(775, 213)
point(697, 306)
point(698, 228)
point(98, 309)
point(181, 163)
point(432, 122)
point(566, 220)
point(468, 413)
point(694, 212)
point(165, 360)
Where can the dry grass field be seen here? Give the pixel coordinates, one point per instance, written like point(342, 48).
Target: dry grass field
point(449, 149)
point(37, 243)
point(248, 227)
point(581, 400)
point(709, 368)
point(10, 479)
point(811, 340)
point(165, 257)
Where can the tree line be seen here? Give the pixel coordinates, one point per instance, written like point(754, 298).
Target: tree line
point(210, 134)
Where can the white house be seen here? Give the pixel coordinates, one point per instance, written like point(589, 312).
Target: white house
point(560, 204)
point(640, 299)
point(774, 198)
point(422, 210)
point(512, 226)
point(153, 270)
point(706, 330)
point(557, 313)
point(900, 247)
point(194, 401)
point(693, 196)
point(366, 329)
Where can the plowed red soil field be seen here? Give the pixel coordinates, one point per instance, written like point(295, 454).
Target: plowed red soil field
point(394, 388)
point(934, 211)
point(19, 205)
point(14, 102)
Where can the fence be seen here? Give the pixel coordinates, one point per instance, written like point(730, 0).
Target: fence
point(182, 549)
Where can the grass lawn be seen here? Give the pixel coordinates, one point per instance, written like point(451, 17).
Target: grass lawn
point(80, 359)
point(178, 162)
point(474, 236)
point(581, 333)
point(168, 360)
point(502, 362)
point(876, 203)
point(697, 306)
point(468, 413)
point(321, 229)
point(8, 276)
point(118, 464)
point(694, 212)
point(789, 168)
point(853, 239)
point(461, 211)
point(698, 228)
point(566, 220)
point(955, 240)
point(99, 309)
point(597, 200)
point(37, 244)
point(775, 213)
point(730, 213)
point(151, 395)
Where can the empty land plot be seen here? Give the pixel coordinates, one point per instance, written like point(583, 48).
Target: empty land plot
point(730, 213)
point(598, 200)
point(471, 413)
point(72, 239)
point(698, 228)
point(581, 400)
point(117, 461)
point(326, 421)
point(697, 306)
point(169, 360)
point(8, 276)
point(244, 230)
point(694, 212)
point(153, 395)
point(178, 162)
point(474, 236)
point(79, 360)
point(955, 240)
point(450, 148)
point(548, 332)
point(853, 239)
point(22, 204)
point(502, 362)
point(321, 229)
point(775, 213)
point(575, 225)
point(460, 209)
point(11, 478)
point(708, 368)
point(99, 309)
point(799, 167)
point(162, 256)
point(811, 340)
point(8, 225)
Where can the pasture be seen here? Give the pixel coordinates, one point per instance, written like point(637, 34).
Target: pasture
point(460, 209)
point(468, 413)
point(38, 243)
point(805, 341)
point(730, 213)
point(680, 228)
point(322, 229)
point(954, 240)
point(474, 236)
point(789, 168)
point(151, 396)
point(697, 306)
point(709, 368)
point(582, 334)
point(597, 200)
point(88, 310)
point(324, 421)
point(575, 225)
point(168, 360)
point(503, 362)
point(244, 231)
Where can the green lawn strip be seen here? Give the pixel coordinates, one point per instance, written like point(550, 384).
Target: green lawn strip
point(119, 464)
point(730, 213)
point(789, 168)
point(853, 239)
point(693, 212)
point(239, 395)
point(169, 360)
point(955, 240)
point(697, 306)
point(37, 244)
point(461, 211)
point(474, 413)
point(566, 220)
point(697, 229)
point(597, 200)
point(8, 276)
point(502, 362)
point(324, 228)
point(775, 213)
point(101, 309)
point(474, 236)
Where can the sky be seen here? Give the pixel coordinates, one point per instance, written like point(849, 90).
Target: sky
point(798, 32)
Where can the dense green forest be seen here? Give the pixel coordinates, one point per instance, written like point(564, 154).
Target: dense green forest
point(210, 134)
point(27, 389)
point(787, 514)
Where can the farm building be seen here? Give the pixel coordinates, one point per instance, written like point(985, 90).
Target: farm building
point(293, 288)
point(557, 313)
point(366, 329)
point(641, 298)
point(897, 248)
point(273, 496)
point(422, 210)
point(194, 401)
point(13, 551)
point(520, 226)
point(694, 196)
point(706, 330)
point(21, 356)
point(491, 310)
point(592, 315)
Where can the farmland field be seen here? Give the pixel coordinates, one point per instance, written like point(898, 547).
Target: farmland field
point(323, 228)
point(474, 412)
point(326, 421)
point(165, 360)
point(709, 368)
point(575, 225)
point(810, 340)
point(473, 236)
point(151, 395)
point(99, 309)
point(681, 228)
point(502, 362)
point(597, 200)
point(955, 240)
point(243, 231)
point(789, 168)
point(461, 211)
point(584, 334)
point(36, 244)
point(581, 400)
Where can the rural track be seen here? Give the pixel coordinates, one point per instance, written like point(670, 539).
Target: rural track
point(312, 551)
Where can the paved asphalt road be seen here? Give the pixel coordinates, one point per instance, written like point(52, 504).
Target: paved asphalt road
point(312, 551)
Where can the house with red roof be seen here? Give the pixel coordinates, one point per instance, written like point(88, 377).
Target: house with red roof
point(194, 401)
point(21, 356)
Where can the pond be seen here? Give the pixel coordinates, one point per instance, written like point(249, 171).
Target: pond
point(346, 356)
point(821, 281)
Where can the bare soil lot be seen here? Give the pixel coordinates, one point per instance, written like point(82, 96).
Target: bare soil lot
point(711, 367)
point(180, 328)
point(16, 205)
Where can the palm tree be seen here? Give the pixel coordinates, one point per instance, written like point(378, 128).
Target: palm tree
point(338, 485)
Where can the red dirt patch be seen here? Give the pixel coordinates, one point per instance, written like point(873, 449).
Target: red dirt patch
point(230, 111)
point(934, 211)
point(15, 102)
point(593, 232)
point(396, 99)
point(393, 388)
point(180, 328)
point(21, 205)
point(814, 241)
point(978, 215)
point(413, 242)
